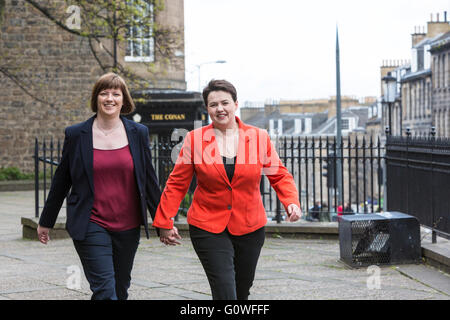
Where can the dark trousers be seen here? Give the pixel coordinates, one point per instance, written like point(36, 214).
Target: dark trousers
point(229, 261)
point(107, 258)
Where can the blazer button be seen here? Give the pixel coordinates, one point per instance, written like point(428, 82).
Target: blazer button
point(229, 188)
point(229, 207)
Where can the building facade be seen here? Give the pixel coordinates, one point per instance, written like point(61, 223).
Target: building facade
point(47, 74)
point(422, 98)
point(440, 70)
point(304, 117)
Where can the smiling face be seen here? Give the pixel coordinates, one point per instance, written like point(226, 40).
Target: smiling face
point(109, 103)
point(221, 109)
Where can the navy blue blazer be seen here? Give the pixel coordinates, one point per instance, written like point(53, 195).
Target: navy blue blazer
point(75, 172)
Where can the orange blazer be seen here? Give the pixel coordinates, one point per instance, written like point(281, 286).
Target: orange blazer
point(217, 203)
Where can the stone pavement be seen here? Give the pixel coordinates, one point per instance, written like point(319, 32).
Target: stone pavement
point(288, 269)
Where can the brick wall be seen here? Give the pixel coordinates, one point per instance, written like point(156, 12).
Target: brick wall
point(58, 68)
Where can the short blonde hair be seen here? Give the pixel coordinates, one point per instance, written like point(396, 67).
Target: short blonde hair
point(112, 81)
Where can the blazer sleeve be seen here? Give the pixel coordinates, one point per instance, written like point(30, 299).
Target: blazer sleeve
point(279, 177)
point(152, 190)
point(60, 186)
point(176, 186)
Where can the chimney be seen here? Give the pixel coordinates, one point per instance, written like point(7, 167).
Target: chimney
point(437, 27)
point(386, 67)
point(417, 36)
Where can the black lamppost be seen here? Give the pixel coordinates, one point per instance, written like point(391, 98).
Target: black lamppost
point(390, 89)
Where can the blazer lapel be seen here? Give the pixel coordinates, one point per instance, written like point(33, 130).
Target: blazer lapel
point(243, 152)
point(133, 143)
point(210, 145)
point(87, 150)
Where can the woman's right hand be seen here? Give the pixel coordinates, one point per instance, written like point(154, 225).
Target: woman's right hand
point(169, 236)
point(43, 234)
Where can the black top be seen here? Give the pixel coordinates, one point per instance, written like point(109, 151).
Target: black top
point(229, 166)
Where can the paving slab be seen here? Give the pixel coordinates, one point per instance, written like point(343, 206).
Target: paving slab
point(289, 269)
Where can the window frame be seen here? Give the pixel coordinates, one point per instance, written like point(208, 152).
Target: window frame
point(131, 40)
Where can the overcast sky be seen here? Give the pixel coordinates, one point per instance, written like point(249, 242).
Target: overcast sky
point(285, 49)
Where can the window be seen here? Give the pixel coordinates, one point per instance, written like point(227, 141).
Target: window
point(345, 124)
point(288, 124)
point(420, 59)
point(140, 43)
point(444, 78)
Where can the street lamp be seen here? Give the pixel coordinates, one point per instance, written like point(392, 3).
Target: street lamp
point(203, 63)
point(390, 89)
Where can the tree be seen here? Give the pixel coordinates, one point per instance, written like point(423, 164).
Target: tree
point(112, 28)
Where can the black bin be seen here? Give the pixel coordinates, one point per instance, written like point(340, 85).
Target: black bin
point(379, 239)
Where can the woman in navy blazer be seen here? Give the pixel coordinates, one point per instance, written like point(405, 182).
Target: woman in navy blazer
point(106, 164)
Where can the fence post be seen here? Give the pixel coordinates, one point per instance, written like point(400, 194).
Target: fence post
point(44, 149)
point(385, 193)
point(433, 232)
point(408, 136)
point(36, 178)
point(378, 173)
point(364, 174)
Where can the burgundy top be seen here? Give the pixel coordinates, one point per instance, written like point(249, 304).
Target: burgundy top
point(116, 202)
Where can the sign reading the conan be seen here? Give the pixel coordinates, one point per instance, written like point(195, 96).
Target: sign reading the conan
point(168, 117)
point(163, 111)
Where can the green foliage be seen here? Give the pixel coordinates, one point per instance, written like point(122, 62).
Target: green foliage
point(185, 204)
point(122, 23)
point(14, 173)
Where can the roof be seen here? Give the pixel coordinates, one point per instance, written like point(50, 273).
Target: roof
point(416, 75)
point(166, 94)
point(427, 41)
point(441, 43)
point(258, 120)
point(329, 127)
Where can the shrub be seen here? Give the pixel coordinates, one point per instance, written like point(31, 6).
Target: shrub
point(14, 173)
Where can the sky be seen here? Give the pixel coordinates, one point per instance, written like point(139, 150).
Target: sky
point(286, 49)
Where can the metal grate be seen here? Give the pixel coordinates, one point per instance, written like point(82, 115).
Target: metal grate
point(376, 239)
point(370, 242)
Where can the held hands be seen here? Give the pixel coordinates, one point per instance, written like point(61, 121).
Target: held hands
point(169, 236)
point(43, 234)
point(294, 213)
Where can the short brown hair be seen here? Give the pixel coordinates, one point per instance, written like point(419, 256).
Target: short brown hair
point(219, 85)
point(112, 81)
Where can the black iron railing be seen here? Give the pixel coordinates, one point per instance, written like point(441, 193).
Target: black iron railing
point(418, 170)
point(313, 162)
point(46, 155)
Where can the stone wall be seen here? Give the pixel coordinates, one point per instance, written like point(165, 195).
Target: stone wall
point(58, 70)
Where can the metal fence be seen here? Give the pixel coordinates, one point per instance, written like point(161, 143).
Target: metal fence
point(417, 175)
point(316, 162)
point(47, 155)
point(418, 170)
point(313, 162)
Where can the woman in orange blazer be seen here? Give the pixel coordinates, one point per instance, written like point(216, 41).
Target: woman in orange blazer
point(227, 217)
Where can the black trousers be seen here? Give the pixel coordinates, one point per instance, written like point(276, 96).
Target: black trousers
point(229, 261)
point(107, 258)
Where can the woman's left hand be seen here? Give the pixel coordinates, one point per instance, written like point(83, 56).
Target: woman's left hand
point(169, 236)
point(294, 213)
